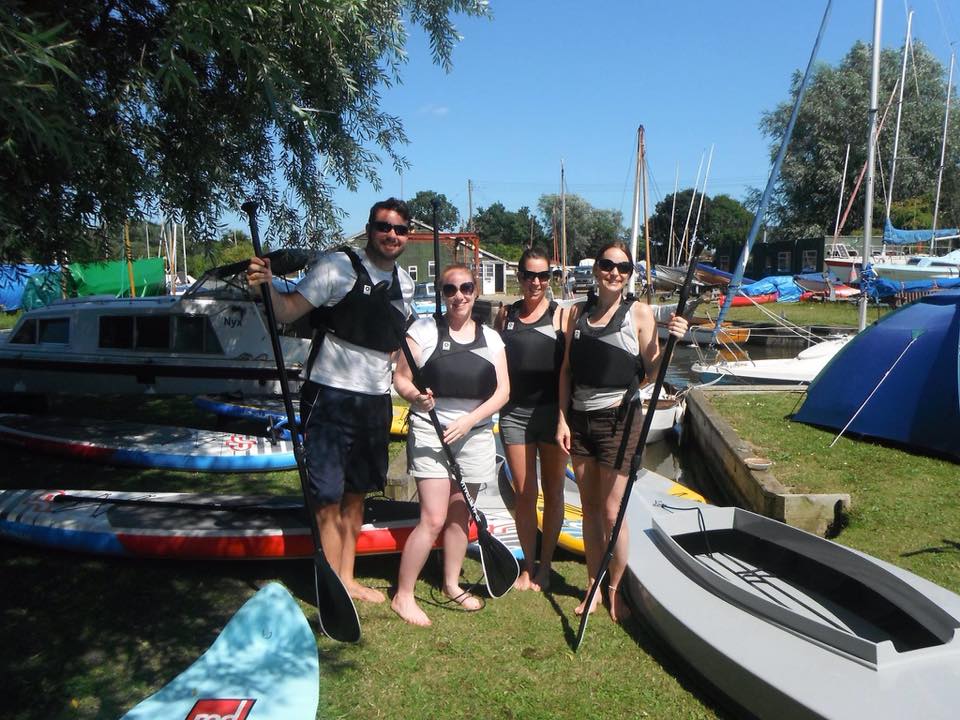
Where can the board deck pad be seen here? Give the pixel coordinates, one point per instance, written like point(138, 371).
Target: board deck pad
point(141, 445)
point(145, 525)
point(262, 666)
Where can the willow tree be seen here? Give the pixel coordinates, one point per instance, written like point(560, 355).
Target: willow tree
point(112, 109)
point(834, 114)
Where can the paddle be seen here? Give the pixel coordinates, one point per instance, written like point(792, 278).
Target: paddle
point(637, 459)
point(336, 612)
point(500, 567)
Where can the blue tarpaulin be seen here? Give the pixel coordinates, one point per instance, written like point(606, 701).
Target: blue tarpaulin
point(13, 278)
point(909, 361)
point(788, 290)
point(896, 236)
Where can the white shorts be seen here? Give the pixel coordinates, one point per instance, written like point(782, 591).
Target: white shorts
point(476, 453)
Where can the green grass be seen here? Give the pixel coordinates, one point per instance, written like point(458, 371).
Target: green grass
point(8, 320)
point(905, 507)
point(88, 637)
point(837, 314)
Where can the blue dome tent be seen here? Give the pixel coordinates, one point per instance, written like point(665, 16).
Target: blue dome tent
point(899, 380)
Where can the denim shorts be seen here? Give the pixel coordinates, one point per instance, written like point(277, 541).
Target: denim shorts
point(529, 425)
point(599, 433)
point(345, 441)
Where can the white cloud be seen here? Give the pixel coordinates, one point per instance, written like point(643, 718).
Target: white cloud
point(433, 109)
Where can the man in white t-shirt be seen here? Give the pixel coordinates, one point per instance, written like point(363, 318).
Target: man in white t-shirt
point(359, 302)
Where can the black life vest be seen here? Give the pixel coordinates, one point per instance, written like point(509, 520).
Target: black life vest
point(365, 316)
point(596, 361)
point(455, 371)
point(534, 355)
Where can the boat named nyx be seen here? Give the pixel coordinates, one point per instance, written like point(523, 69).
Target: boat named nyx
point(211, 339)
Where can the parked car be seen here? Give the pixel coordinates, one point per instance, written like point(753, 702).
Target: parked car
point(424, 299)
point(583, 279)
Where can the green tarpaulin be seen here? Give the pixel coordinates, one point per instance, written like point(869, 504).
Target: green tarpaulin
point(103, 278)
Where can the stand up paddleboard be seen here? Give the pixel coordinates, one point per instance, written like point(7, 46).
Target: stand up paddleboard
point(262, 666)
point(156, 446)
point(188, 525)
point(271, 410)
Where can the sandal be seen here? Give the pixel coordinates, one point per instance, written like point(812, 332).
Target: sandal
point(469, 603)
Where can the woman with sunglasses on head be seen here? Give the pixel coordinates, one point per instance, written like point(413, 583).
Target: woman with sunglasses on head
point(611, 347)
point(464, 368)
point(531, 329)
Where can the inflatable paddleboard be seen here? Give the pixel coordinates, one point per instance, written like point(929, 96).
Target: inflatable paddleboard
point(272, 410)
point(157, 446)
point(188, 525)
point(571, 531)
point(262, 666)
point(495, 501)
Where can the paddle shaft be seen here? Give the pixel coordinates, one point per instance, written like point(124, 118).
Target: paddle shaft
point(326, 577)
point(637, 459)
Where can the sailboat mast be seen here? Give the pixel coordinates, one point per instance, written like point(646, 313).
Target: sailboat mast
point(673, 212)
point(896, 132)
point(693, 197)
point(843, 182)
point(703, 193)
point(648, 260)
point(871, 154)
point(943, 154)
point(635, 224)
point(563, 223)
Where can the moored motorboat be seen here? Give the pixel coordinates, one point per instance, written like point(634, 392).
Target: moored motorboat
point(211, 339)
point(787, 624)
point(801, 369)
point(921, 267)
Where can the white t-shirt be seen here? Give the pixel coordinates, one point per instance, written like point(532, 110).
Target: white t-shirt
point(339, 363)
point(424, 333)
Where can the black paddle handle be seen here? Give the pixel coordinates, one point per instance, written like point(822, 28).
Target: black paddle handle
point(250, 208)
point(637, 460)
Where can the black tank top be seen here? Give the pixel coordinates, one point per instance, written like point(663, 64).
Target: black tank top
point(454, 370)
point(534, 355)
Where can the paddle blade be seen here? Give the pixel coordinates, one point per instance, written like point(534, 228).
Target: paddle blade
point(336, 613)
point(591, 594)
point(500, 567)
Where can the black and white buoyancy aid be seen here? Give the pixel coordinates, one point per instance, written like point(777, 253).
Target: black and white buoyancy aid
point(458, 371)
point(534, 355)
point(600, 357)
point(365, 316)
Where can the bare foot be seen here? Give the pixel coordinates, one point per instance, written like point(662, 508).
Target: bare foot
point(409, 611)
point(461, 597)
point(593, 606)
point(541, 580)
point(523, 581)
point(619, 609)
point(367, 594)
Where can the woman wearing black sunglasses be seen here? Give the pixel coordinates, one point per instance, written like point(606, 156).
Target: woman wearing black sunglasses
point(465, 370)
point(531, 331)
point(611, 347)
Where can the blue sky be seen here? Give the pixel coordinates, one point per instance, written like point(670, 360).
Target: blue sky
point(549, 80)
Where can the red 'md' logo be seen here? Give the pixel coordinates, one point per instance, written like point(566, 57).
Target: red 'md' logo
point(221, 709)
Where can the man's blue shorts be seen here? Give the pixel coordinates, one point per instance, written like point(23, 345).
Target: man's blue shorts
point(345, 441)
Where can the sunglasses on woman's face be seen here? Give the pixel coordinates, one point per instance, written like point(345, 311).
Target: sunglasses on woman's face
point(607, 265)
point(542, 276)
point(466, 289)
point(386, 227)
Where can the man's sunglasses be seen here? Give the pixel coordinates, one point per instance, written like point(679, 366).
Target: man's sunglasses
point(466, 289)
point(606, 265)
point(542, 276)
point(386, 227)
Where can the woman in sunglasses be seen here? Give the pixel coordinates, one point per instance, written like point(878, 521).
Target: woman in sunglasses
point(464, 368)
point(531, 331)
point(611, 347)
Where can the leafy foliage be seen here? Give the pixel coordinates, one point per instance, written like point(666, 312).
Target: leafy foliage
point(588, 228)
point(722, 220)
point(112, 109)
point(496, 224)
point(421, 208)
point(832, 115)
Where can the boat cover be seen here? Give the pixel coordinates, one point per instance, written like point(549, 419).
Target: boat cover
point(918, 403)
point(896, 236)
point(102, 278)
point(13, 278)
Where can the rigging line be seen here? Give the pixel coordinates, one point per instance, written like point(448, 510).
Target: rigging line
point(874, 391)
